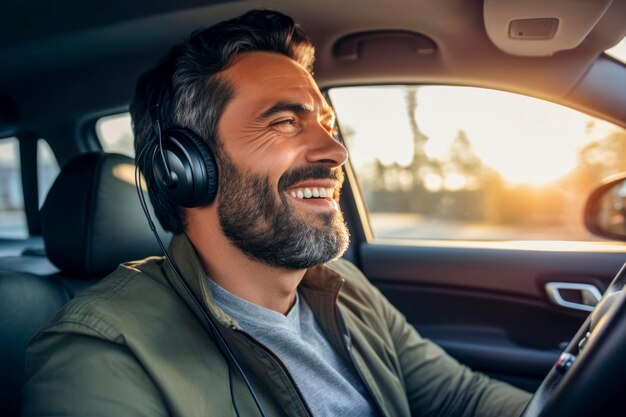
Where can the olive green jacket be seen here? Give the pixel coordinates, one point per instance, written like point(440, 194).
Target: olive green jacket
point(135, 345)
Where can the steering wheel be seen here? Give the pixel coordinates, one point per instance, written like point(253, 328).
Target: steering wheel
point(589, 379)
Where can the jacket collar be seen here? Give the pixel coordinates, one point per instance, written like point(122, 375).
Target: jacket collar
point(320, 284)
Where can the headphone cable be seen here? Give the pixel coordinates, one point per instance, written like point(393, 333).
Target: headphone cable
point(197, 304)
point(155, 111)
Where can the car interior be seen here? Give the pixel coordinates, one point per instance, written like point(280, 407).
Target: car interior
point(505, 306)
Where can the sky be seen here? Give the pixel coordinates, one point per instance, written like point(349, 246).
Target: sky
point(529, 141)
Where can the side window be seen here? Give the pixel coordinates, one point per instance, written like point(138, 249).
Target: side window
point(115, 134)
point(12, 215)
point(462, 163)
point(47, 169)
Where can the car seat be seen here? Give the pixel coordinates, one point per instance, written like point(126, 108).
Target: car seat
point(91, 221)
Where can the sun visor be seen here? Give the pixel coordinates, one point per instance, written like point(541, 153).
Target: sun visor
point(540, 27)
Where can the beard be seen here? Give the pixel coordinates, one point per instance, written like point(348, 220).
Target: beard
point(268, 229)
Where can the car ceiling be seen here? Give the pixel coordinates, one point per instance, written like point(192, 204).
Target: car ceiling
point(71, 60)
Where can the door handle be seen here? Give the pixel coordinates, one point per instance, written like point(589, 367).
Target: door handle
point(590, 295)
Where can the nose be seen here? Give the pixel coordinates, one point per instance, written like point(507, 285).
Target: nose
point(325, 149)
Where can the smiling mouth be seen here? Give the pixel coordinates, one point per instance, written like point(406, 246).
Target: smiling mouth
point(315, 197)
point(312, 192)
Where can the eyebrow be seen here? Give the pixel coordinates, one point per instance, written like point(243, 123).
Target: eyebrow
point(297, 108)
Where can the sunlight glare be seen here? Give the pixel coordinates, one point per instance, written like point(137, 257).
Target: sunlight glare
point(618, 51)
point(527, 140)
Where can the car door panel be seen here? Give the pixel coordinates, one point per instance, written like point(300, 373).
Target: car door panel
point(488, 307)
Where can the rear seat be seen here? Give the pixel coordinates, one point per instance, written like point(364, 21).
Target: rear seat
point(92, 221)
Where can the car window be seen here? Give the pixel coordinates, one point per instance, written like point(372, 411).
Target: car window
point(115, 134)
point(47, 169)
point(618, 51)
point(12, 215)
point(462, 163)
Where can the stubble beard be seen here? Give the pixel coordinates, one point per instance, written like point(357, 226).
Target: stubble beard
point(268, 229)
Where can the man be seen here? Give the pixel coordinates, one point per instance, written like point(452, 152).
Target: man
point(308, 331)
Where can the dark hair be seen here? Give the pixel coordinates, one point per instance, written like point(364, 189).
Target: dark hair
point(191, 94)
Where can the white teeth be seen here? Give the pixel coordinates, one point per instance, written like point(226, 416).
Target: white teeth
point(312, 192)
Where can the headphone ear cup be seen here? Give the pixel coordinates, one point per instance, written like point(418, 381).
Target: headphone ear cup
point(207, 187)
point(192, 167)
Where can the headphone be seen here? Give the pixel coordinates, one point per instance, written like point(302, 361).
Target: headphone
point(186, 173)
point(183, 164)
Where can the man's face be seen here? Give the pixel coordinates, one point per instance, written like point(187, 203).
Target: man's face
point(280, 169)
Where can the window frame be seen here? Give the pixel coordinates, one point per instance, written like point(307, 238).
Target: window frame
point(30, 181)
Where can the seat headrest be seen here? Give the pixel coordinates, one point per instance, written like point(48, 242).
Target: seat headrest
point(92, 220)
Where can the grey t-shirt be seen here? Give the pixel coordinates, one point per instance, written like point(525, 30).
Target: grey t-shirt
point(329, 386)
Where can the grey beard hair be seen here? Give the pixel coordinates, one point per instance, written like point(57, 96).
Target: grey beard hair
point(269, 230)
